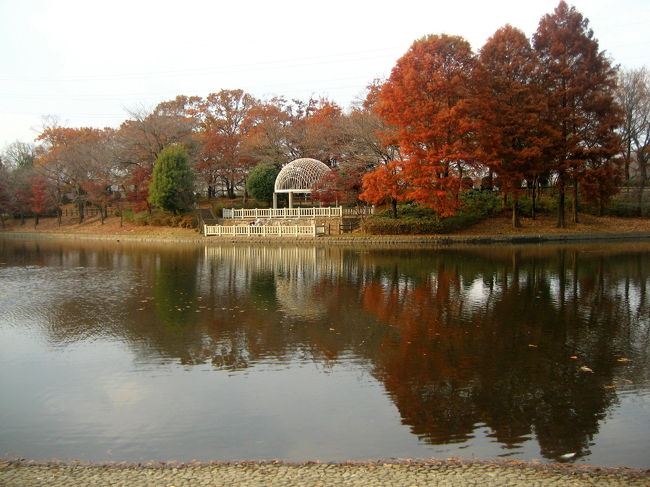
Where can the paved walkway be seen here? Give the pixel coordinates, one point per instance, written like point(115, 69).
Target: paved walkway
point(250, 474)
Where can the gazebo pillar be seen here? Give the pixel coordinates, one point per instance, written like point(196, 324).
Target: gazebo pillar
point(290, 199)
point(275, 200)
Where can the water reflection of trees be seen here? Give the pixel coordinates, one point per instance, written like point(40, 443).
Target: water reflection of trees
point(459, 338)
point(491, 341)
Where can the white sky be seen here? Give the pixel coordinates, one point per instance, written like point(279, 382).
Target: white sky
point(88, 61)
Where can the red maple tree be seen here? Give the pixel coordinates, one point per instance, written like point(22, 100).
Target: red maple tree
point(509, 103)
point(40, 199)
point(424, 102)
point(579, 84)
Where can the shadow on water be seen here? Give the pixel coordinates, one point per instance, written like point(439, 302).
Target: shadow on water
point(524, 342)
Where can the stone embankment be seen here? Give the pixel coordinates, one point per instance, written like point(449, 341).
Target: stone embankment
point(270, 474)
point(350, 240)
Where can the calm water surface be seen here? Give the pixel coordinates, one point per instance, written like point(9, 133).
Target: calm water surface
point(126, 352)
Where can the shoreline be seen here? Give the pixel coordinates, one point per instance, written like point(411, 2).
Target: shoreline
point(248, 473)
point(338, 240)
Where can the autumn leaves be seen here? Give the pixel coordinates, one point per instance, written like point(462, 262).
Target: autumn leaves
point(509, 116)
point(517, 116)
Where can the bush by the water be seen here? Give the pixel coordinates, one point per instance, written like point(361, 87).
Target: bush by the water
point(476, 206)
point(544, 204)
point(628, 209)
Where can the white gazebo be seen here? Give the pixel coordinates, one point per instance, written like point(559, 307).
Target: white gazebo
point(298, 176)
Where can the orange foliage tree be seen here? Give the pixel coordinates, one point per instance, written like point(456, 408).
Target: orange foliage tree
point(509, 103)
point(70, 158)
point(373, 154)
point(423, 102)
point(40, 197)
point(579, 84)
point(223, 127)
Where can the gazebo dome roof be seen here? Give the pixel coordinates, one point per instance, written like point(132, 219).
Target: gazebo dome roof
point(299, 176)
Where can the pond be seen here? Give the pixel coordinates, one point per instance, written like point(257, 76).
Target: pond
point(133, 352)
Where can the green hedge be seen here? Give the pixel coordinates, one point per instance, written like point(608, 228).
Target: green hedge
point(417, 226)
point(627, 209)
point(476, 206)
point(545, 204)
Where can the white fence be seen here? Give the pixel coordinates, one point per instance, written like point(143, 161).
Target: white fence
point(359, 211)
point(264, 230)
point(236, 213)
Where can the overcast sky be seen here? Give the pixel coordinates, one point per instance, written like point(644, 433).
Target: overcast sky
point(87, 62)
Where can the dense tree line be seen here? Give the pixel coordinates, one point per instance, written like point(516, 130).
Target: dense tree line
point(513, 115)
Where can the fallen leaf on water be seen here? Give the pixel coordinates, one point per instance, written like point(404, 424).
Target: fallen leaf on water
point(568, 456)
point(574, 357)
point(532, 346)
point(623, 359)
point(610, 387)
point(584, 368)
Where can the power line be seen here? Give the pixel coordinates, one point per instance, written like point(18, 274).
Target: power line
point(234, 68)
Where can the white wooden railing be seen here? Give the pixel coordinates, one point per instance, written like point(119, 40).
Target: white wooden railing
point(237, 213)
point(264, 230)
point(359, 211)
point(241, 213)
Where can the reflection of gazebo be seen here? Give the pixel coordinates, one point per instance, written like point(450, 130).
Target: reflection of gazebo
point(298, 176)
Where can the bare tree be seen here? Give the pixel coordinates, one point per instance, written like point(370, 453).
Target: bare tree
point(633, 95)
point(19, 155)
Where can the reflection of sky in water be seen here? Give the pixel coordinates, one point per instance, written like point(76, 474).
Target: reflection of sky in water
point(477, 293)
point(137, 412)
point(308, 353)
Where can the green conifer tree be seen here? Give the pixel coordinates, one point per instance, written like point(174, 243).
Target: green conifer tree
point(261, 181)
point(172, 185)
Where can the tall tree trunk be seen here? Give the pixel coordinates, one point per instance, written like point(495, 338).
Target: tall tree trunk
point(80, 209)
point(533, 208)
point(574, 206)
point(59, 214)
point(601, 206)
point(628, 158)
point(515, 211)
point(393, 206)
point(36, 219)
point(642, 162)
point(490, 180)
point(561, 223)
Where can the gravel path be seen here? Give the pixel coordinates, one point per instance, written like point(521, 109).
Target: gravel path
point(270, 474)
